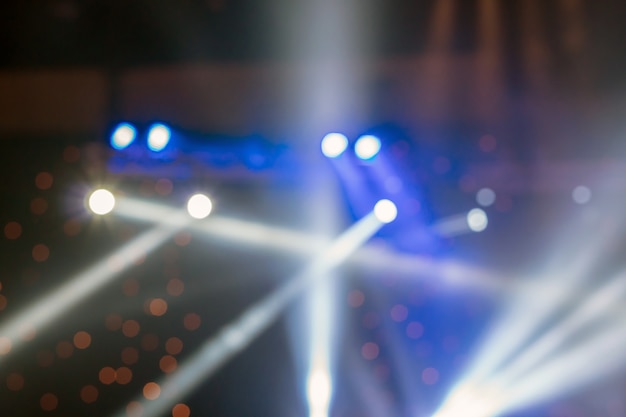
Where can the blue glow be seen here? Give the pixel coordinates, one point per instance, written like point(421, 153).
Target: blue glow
point(159, 136)
point(123, 136)
point(334, 144)
point(367, 147)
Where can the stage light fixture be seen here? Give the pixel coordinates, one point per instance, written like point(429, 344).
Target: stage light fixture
point(123, 136)
point(334, 144)
point(159, 136)
point(367, 147)
point(385, 211)
point(477, 220)
point(101, 201)
point(199, 206)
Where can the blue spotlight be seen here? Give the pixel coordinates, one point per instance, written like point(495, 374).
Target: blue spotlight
point(159, 136)
point(123, 135)
point(367, 147)
point(334, 144)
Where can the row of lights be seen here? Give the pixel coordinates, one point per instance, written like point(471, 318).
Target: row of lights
point(125, 134)
point(366, 147)
point(199, 206)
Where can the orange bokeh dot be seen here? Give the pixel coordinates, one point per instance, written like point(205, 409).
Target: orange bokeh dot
point(151, 391)
point(123, 375)
point(13, 230)
point(173, 346)
point(134, 409)
point(89, 394)
point(48, 402)
point(113, 322)
point(82, 340)
point(15, 382)
point(130, 328)
point(149, 342)
point(107, 375)
point(71, 154)
point(158, 307)
point(130, 355)
point(181, 410)
point(45, 358)
point(71, 227)
point(3, 302)
point(182, 238)
point(38, 206)
point(40, 252)
point(5, 345)
point(44, 180)
point(64, 349)
point(175, 287)
point(191, 321)
point(130, 287)
point(168, 364)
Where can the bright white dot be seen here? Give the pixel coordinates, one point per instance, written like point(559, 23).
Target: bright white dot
point(158, 137)
point(123, 135)
point(199, 206)
point(319, 391)
point(477, 220)
point(485, 197)
point(367, 147)
point(101, 201)
point(334, 144)
point(385, 211)
point(581, 194)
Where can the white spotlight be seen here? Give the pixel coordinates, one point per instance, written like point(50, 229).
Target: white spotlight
point(385, 211)
point(367, 147)
point(158, 137)
point(199, 206)
point(318, 392)
point(101, 201)
point(477, 220)
point(334, 144)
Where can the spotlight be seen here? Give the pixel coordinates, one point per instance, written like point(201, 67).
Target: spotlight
point(334, 144)
point(101, 201)
point(123, 135)
point(477, 220)
point(158, 137)
point(199, 206)
point(367, 147)
point(385, 211)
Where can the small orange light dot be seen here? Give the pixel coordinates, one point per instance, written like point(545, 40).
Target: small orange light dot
point(130, 287)
point(48, 402)
point(192, 321)
point(130, 328)
point(123, 375)
point(130, 355)
point(15, 382)
point(168, 364)
point(181, 410)
point(41, 252)
point(151, 391)
point(175, 287)
point(107, 375)
point(71, 227)
point(134, 409)
point(113, 322)
point(82, 340)
point(38, 206)
point(64, 349)
point(158, 307)
point(44, 180)
point(173, 346)
point(13, 230)
point(89, 394)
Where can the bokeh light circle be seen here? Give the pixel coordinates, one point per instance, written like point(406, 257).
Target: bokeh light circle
point(385, 211)
point(477, 220)
point(199, 206)
point(334, 144)
point(101, 201)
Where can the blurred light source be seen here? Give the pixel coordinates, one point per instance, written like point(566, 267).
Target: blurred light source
point(581, 194)
point(485, 197)
point(385, 211)
point(101, 201)
point(123, 136)
point(334, 144)
point(158, 137)
point(367, 147)
point(199, 206)
point(477, 220)
point(318, 392)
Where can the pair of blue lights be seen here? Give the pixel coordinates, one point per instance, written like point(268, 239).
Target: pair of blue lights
point(366, 147)
point(125, 134)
